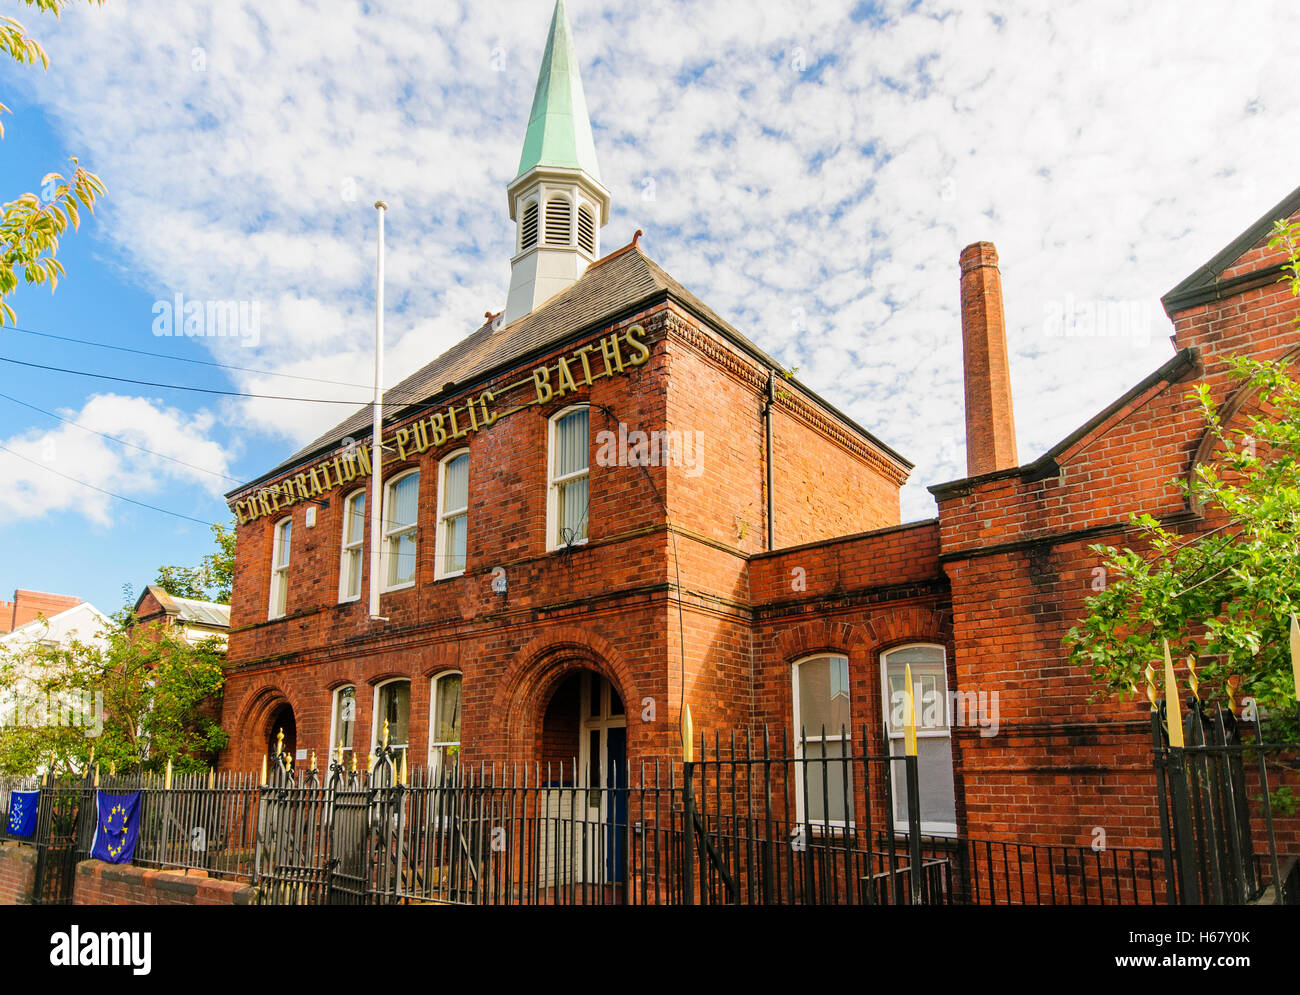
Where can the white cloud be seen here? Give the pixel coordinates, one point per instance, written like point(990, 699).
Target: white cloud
point(1107, 148)
point(41, 479)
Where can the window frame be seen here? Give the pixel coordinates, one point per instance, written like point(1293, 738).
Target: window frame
point(440, 535)
point(280, 570)
point(929, 828)
point(335, 720)
point(796, 716)
point(392, 535)
point(434, 744)
point(358, 547)
point(553, 482)
point(377, 719)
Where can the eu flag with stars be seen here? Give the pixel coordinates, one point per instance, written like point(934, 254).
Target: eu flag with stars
point(22, 813)
point(116, 827)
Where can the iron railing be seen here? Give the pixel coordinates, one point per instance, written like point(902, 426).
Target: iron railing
point(1217, 811)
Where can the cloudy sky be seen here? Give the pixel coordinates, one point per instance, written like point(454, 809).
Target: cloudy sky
point(810, 169)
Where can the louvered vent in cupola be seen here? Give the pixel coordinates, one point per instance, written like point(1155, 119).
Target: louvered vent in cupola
point(558, 221)
point(528, 230)
point(586, 231)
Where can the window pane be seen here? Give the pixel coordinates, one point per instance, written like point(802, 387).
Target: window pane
point(402, 501)
point(352, 573)
point(823, 697)
point(455, 484)
point(572, 511)
point(354, 521)
point(454, 558)
point(395, 706)
point(280, 585)
point(446, 719)
point(934, 775)
point(345, 714)
point(571, 445)
point(929, 688)
point(829, 782)
point(401, 559)
point(284, 532)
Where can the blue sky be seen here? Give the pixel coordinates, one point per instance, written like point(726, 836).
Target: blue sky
point(810, 169)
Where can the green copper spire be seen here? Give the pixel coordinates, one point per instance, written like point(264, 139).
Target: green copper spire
point(559, 131)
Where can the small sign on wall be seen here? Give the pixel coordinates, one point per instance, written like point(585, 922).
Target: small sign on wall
point(300, 755)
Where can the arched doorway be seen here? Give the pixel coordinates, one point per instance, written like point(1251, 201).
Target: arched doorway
point(282, 720)
point(583, 755)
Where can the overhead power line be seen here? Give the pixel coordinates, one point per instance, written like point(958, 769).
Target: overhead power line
point(93, 487)
point(186, 387)
point(121, 442)
point(187, 359)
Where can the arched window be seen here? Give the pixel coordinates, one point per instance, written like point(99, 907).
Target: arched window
point(933, 732)
point(823, 723)
point(280, 568)
point(393, 705)
point(567, 491)
point(528, 227)
point(401, 507)
point(444, 718)
point(559, 215)
point(343, 717)
point(354, 531)
point(586, 230)
point(453, 515)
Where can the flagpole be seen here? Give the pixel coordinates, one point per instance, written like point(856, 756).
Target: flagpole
point(376, 431)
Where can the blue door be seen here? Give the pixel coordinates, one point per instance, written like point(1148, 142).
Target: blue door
point(616, 802)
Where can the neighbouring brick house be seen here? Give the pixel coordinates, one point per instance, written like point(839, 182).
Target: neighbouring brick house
point(552, 589)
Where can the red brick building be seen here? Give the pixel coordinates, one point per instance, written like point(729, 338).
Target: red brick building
point(607, 502)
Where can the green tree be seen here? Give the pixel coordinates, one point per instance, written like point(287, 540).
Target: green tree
point(31, 225)
point(154, 693)
point(1223, 597)
point(213, 579)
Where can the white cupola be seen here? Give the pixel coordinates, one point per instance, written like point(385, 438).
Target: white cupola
point(557, 201)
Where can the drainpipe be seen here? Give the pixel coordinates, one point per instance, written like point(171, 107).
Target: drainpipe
point(767, 428)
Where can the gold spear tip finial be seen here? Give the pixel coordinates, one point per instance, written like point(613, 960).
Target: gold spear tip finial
point(279, 742)
point(1173, 710)
point(909, 713)
point(385, 734)
point(313, 759)
point(1192, 681)
point(688, 735)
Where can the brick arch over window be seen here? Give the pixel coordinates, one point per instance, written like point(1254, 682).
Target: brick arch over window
point(537, 670)
point(861, 640)
point(1233, 413)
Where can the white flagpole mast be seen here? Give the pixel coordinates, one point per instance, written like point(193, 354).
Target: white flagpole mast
point(376, 432)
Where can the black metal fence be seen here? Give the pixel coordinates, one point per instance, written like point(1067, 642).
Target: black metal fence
point(1217, 812)
point(742, 824)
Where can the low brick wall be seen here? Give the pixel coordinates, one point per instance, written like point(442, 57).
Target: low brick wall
point(99, 883)
point(17, 873)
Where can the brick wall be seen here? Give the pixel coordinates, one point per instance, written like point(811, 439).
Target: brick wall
point(17, 873)
point(605, 605)
point(98, 883)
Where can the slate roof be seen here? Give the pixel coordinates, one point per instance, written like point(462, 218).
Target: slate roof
point(623, 282)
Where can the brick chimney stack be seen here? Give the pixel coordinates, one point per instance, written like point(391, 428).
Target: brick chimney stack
point(990, 424)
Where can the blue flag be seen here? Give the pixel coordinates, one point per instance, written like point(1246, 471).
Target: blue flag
point(22, 813)
point(116, 827)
